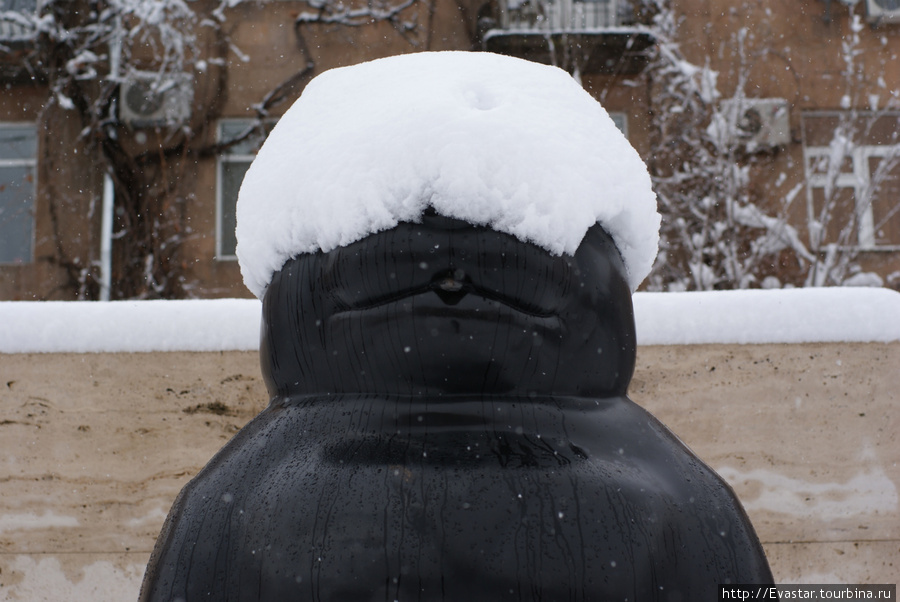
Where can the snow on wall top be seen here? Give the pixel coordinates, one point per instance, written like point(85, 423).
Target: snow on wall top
point(808, 315)
point(493, 140)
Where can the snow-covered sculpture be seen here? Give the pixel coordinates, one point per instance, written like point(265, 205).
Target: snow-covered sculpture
point(445, 246)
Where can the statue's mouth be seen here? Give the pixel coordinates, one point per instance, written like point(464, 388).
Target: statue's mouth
point(451, 286)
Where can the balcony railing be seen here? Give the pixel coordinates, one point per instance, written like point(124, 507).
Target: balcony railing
point(558, 16)
point(17, 20)
point(588, 36)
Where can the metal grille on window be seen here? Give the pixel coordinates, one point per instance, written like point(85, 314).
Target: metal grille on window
point(17, 18)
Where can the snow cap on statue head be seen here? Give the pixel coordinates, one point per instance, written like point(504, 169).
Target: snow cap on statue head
point(493, 140)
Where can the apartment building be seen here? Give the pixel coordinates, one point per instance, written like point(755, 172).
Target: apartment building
point(124, 135)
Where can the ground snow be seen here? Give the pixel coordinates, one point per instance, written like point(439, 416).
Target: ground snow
point(752, 316)
point(486, 138)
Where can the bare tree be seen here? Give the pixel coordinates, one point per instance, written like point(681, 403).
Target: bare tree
point(720, 230)
point(86, 51)
point(848, 166)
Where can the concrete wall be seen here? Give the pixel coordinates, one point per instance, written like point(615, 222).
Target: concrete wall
point(94, 448)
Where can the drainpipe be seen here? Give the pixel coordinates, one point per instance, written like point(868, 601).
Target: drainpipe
point(109, 190)
point(109, 193)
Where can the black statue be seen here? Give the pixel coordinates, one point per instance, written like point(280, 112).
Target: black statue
point(449, 421)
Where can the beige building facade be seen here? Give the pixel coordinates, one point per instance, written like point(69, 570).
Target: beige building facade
point(162, 165)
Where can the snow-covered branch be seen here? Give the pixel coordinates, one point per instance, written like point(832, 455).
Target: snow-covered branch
point(721, 229)
point(97, 57)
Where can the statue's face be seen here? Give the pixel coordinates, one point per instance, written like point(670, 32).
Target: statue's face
point(447, 307)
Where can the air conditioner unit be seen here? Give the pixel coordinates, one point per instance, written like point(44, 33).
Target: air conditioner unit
point(883, 11)
point(148, 99)
point(759, 122)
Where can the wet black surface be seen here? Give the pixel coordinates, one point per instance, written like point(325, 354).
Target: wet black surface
point(449, 422)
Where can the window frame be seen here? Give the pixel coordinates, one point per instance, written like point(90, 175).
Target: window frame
point(857, 179)
point(620, 118)
point(231, 157)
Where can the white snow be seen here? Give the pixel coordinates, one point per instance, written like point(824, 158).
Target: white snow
point(130, 326)
point(810, 315)
point(491, 139)
point(800, 315)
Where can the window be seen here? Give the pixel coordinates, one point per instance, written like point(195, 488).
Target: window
point(853, 179)
point(232, 166)
point(621, 121)
point(18, 160)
